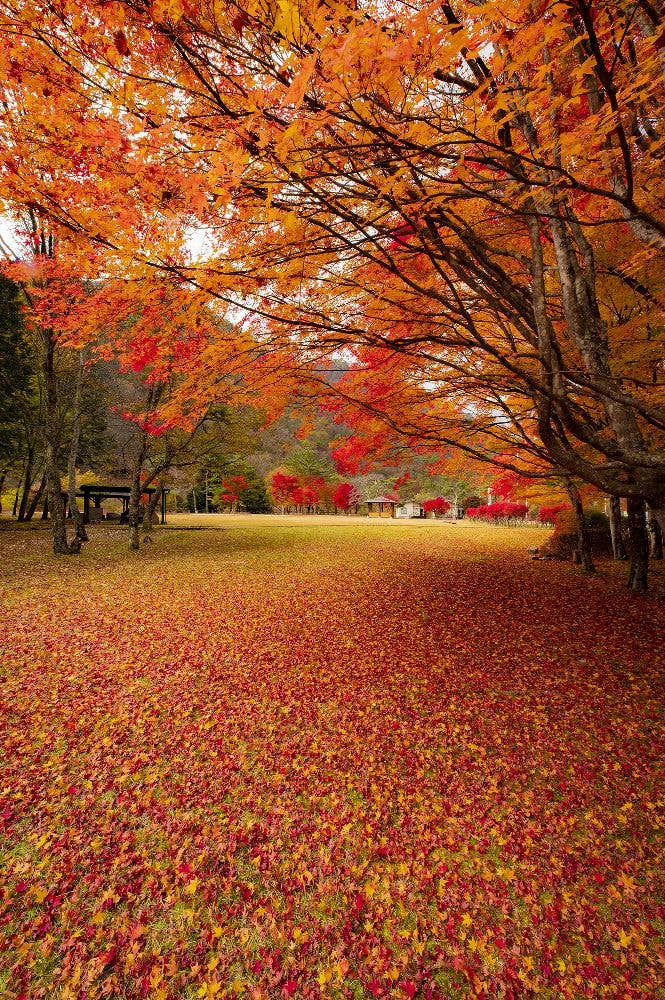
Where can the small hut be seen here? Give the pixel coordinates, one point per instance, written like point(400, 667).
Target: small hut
point(410, 508)
point(381, 507)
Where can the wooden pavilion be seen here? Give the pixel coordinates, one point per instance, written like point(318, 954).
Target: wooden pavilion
point(381, 506)
point(98, 492)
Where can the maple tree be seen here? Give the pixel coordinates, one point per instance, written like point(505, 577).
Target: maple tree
point(438, 506)
point(283, 488)
point(547, 515)
point(345, 496)
point(231, 488)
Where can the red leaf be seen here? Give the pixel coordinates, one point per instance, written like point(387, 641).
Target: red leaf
point(120, 42)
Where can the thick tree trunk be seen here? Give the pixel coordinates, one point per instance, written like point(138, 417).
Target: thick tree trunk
point(3, 476)
point(583, 541)
point(655, 536)
point(638, 577)
point(80, 534)
point(134, 511)
point(618, 548)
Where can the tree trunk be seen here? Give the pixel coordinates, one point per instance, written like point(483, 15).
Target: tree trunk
point(134, 512)
point(26, 482)
point(655, 536)
point(16, 495)
point(34, 503)
point(3, 476)
point(618, 548)
point(638, 577)
point(150, 508)
point(80, 534)
point(658, 514)
point(583, 541)
point(52, 429)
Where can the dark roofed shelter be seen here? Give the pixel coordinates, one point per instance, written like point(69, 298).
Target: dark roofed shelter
point(97, 493)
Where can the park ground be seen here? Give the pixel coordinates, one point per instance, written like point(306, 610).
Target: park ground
point(326, 758)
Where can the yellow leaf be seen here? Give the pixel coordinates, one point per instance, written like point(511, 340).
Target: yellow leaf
point(624, 939)
point(287, 20)
point(38, 893)
point(325, 975)
point(210, 989)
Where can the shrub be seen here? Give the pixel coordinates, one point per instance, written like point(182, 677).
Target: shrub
point(563, 541)
point(502, 510)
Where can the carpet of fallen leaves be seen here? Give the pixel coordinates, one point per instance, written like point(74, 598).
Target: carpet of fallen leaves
point(286, 760)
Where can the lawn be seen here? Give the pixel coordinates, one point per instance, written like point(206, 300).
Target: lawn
point(327, 758)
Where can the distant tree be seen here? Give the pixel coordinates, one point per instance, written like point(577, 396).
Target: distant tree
point(346, 496)
point(230, 490)
point(310, 496)
point(284, 489)
point(254, 496)
point(308, 462)
point(548, 515)
point(437, 506)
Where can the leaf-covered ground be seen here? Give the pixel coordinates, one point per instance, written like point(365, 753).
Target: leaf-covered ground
point(310, 760)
